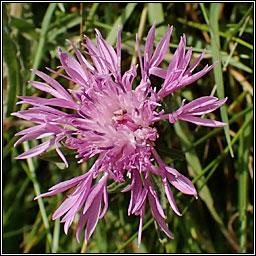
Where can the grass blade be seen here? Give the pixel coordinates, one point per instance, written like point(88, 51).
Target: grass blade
point(13, 66)
point(56, 234)
point(242, 21)
point(216, 56)
point(155, 13)
point(111, 38)
point(244, 151)
point(62, 25)
point(37, 192)
point(204, 27)
point(143, 18)
point(42, 39)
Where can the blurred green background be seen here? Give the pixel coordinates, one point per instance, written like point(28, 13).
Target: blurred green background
point(219, 161)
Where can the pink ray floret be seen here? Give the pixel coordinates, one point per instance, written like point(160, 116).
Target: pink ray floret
point(109, 119)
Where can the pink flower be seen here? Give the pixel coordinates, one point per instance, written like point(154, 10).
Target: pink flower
point(116, 123)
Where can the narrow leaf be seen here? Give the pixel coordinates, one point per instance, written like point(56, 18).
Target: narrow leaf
point(218, 75)
point(111, 38)
point(13, 67)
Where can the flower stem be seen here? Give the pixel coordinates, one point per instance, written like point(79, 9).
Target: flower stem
point(31, 168)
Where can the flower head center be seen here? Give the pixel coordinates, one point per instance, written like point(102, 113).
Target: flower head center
point(141, 134)
point(121, 118)
point(119, 115)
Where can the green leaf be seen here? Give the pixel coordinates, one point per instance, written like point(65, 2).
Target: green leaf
point(156, 13)
point(9, 146)
point(61, 7)
point(245, 140)
point(172, 153)
point(10, 53)
point(126, 13)
point(239, 25)
point(24, 26)
point(218, 75)
point(32, 175)
point(61, 25)
point(235, 63)
point(204, 27)
point(42, 39)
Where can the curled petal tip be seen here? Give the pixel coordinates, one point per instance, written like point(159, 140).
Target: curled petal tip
point(225, 99)
point(78, 239)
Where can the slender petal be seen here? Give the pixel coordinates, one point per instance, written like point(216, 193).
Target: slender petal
point(161, 49)
point(142, 212)
point(170, 197)
point(157, 212)
point(180, 182)
point(200, 106)
point(37, 150)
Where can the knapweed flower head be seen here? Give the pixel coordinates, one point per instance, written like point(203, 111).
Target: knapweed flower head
point(109, 119)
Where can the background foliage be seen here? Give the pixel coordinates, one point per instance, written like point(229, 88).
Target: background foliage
point(219, 161)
